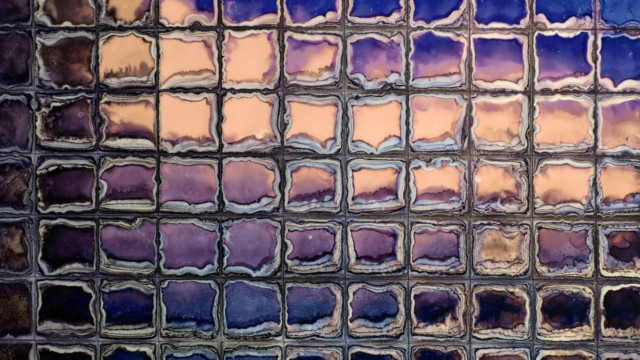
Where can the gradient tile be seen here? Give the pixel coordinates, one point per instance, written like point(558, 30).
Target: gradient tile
point(500, 61)
point(127, 352)
point(375, 60)
point(250, 12)
point(250, 59)
point(310, 13)
point(127, 184)
point(438, 311)
point(501, 13)
point(15, 246)
point(66, 308)
point(66, 185)
point(250, 185)
point(376, 124)
point(189, 309)
point(438, 59)
point(438, 185)
point(197, 352)
point(15, 12)
point(201, 70)
point(313, 185)
point(127, 246)
point(565, 313)
point(549, 354)
point(15, 185)
point(618, 186)
point(127, 59)
point(321, 353)
point(500, 187)
point(375, 185)
point(563, 60)
point(564, 13)
point(502, 354)
point(500, 312)
point(619, 249)
point(439, 352)
point(436, 122)
point(250, 122)
point(252, 247)
point(375, 353)
point(564, 249)
point(199, 135)
point(16, 57)
point(619, 13)
point(253, 353)
point(188, 12)
point(66, 246)
point(500, 122)
point(312, 59)
point(65, 123)
point(619, 64)
point(128, 122)
point(65, 13)
point(563, 187)
point(188, 185)
point(375, 11)
point(188, 246)
point(59, 352)
point(16, 313)
point(252, 309)
point(438, 12)
point(313, 247)
point(376, 247)
point(15, 123)
point(563, 124)
point(74, 72)
point(438, 248)
point(128, 309)
point(313, 310)
point(313, 123)
point(376, 310)
point(620, 311)
point(617, 124)
point(610, 355)
point(127, 12)
point(501, 248)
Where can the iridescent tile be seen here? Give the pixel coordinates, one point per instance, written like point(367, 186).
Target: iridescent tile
point(66, 308)
point(619, 66)
point(618, 127)
point(563, 60)
point(501, 13)
point(563, 123)
point(66, 246)
point(500, 61)
point(318, 353)
point(375, 185)
point(556, 354)
point(621, 355)
point(189, 309)
point(620, 312)
point(128, 246)
point(563, 187)
point(565, 313)
point(250, 12)
point(503, 354)
point(313, 247)
point(312, 12)
point(15, 185)
point(252, 247)
point(251, 310)
point(500, 123)
point(375, 247)
point(619, 249)
point(313, 123)
point(438, 352)
point(15, 246)
point(16, 314)
point(564, 13)
point(15, 58)
point(312, 59)
point(128, 184)
point(438, 185)
point(201, 70)
point(501, 312)
point(66, 123)
point(250, 59)
point(127, 352)
point(15, 12)
point(376, 310)
point(500, 187)
point(127, 12)
point(15, 123)
point(377, 124)
point(438, 59)
point(188, 185)
point(188, 12)
point(128, 122)
point(65, 13)
point(66, 185)
point(376, 60)
point(16, 350)
point(436, 122)
point(250, 122)
point(375, 353)
point(58, 70)
point(189, 352)
point(188, 246)
point(253, 353)
point(619, 13)
point(376, 11)
point(127, 59)
point(618, 186)
point(438, 13)
point(199, 133)
point(501, 249)
point(313, 185)
point(313, 310)
point(438, 311)
point(128, 309)
point(60, 352)
point(564, 249)
point(250, 185)
point(438, 248)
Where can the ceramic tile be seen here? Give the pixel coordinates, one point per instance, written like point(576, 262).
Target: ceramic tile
point(127, 13)
point(438, 59)
point(375, 60)
point(15, 123)
point(16, 59)
point(65, 13)
point(436, 13)
point(310, 13)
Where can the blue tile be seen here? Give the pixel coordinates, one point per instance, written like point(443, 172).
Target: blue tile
point(560, 57)
point(430, 11)
point(618, 13)
point(128, 307)
point(620, 58)
point(302, 11)
point(240, 11)
point(190, 306)
point(374, 8)
point(559, 11)
point(306, 305)
point(509, 12)
point(249, 305)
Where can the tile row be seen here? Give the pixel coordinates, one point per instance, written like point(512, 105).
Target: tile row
point(485, 13)
point(259, 247)
point(189, 308)
point(375, 60)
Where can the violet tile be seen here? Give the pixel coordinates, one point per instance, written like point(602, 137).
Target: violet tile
point(15, 123)
point(313, 310)
point(500, 122)
point(15, 246)
point(16, 313)
point(66, 185)
point(375, 185)
point(619, 245)
point(564, 13)
point(313, 123)
point(312, 59)
point(188, 185)
point(313, 247)
point(66, 246)
point(127, 12)
point(376, 310)
point(564, 249)
point(376, 247)
point(501, 13)
point(500, 187)
point(619, 13)
point(375, 353)
point(619, 67)
point(503, 354)
point(375, 60)
point(65, 13)
point(252, 247)
point(250, 185)
point(192, 352)
point(620, 311)
point(128, 246)
point(438, 12)
point(14, 12)
point(58, 70)
point(189, 309)
point(250, 12)
point(319, 353)
point(252, 309)
point(310, 13)
point(563, 123)
point(618, 186)
point(438, 311)
point(250, 122)
point(66, 123)
point(253, 353)
point(563, 60)
point(188, 12)
point(565, 313)
point(127, 59)
point(128, 309)
point(438, 59)
point(439, 352)
point(436, 122)
point(188, 246)
point(127, 184)
point(377, 124)
point(376, 11)
point(501, 249)
point(500, 61)
point(563, 187)
point(313, 185)
point(438, 248)
point(15, 58)
point(60, 352)
point(549, 354)
point(66, 308)
point(250, 59)
point(127, 352)
point(128, 122)
point(617, 123)
point(15, 185)
point(501, 312)
point(438, 185)
point(202, 68)
point(199, 135)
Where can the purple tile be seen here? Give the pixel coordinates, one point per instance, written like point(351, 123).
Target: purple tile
point(128, 122)
point(128, 247)
point(376, 353)
point(619, 312)
point(312, 12)
point(74, 72)
point(66, 185)
point(619, 249)
point(128, 184)
point(250, 12)
point(15, 123)
point(564, 249)
point(15, 185)
point(250, 185)
point(438, 248)
point(15, 11)
point(376, 60)
point(438, 311)
point(376, 310)
point(67, 246)
point(252, 309)
point(15, 246)
point(188, 247)
point(312, 59)
point(189, 185)
point(15, 59)
point(438, 59)
point(313, 185)
point(66, 123)
point(313, 247)
point(376, 247)
point(252, 247)
point(189, 309)
point(500, 61)
point(565, 313)
point(313, 310)
point(501, 312)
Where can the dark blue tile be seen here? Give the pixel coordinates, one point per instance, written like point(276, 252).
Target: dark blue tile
point(428, 353)
point(619, 13)
point(244, 11)
point(128, 309)
point(619, 60)
point(559, 11)
point(66, 308)
point(313, 310)
point(376, 310)
point(197, 352)
point(563, 59)
point(374, 8)
point(509, 12)
point(66, 246)
point(251, 308)
point(189, 307)
point(435, 11)
point(620, 309)
point(127, 352)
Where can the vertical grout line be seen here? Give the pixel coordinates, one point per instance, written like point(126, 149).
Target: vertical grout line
point(468, 235)
point(531, 56)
